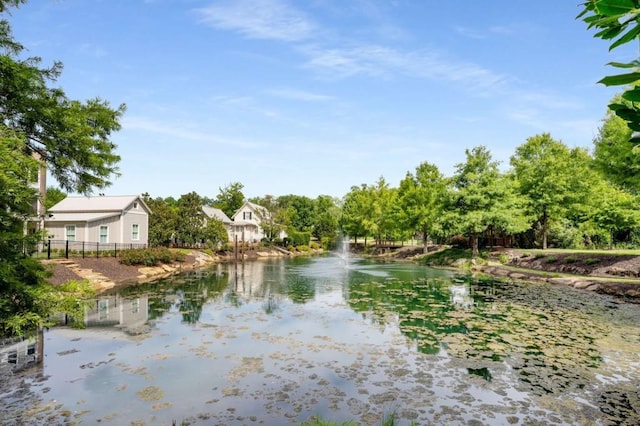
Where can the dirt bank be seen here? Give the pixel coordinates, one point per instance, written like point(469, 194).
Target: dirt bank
point(107, 272)
point(615, 274)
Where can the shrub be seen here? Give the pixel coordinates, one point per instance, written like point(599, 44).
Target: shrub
point(503, 258)
point(150, 256)
point(591, 261)
point(570, 259)
point(459, 241)
point(296, 238)
point(314, 245)
point(303, 248)
point(551, 259)
point(539, 256)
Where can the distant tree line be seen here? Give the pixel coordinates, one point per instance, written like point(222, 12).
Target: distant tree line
point(184, 219)
point(550, 195)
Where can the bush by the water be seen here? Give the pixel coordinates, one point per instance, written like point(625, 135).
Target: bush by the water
point(150, 256)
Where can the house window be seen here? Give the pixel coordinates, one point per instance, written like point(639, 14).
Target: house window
point(135, 306)
point(135, 205)
point(103, 309)
point(70, 232)
point(104, 234)
point(135, 232)
point(246, 215)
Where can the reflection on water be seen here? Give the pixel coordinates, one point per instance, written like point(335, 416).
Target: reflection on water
point(278, 341)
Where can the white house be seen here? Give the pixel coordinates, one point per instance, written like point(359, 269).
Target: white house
point(101, 219)
point(250, 223)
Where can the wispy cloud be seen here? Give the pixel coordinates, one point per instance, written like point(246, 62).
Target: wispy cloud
point(266, 19)
point(92, 50)
point(181, 132)
point(298, 95)
point(381, 61)
point(469, 32)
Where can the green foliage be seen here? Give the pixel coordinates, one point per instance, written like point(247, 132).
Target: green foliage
point(301, 212)
point(614, 156)
point(552, 178)
point(421, 200)
point(150, 256)
point(163, 221)
point(303, 248)
point(191, 218)
point(298, 238)
point(618, 21)
point(570, 259)
point(230, 198)
point(551, 259)
point(39, 123)
point(215, 233)
point(483, 198)
point(503, 258)
point(591, 261)
point(54, 196)
point(446, 257)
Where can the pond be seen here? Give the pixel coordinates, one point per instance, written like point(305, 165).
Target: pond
point(279, 341)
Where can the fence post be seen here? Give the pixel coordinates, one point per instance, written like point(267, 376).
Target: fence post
point(115, 249)
point(83, 249)
point(97, 250)
point(49, 249)
point(66, 249)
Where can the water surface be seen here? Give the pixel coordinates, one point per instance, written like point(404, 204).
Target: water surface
point(276, 342)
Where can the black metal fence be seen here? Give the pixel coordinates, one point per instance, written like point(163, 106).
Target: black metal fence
point(61, 248)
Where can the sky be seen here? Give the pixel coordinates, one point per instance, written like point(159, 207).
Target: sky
point(312, 97)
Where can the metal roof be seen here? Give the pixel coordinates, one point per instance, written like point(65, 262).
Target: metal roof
point(79, 217)
point(96, 204)
point(216, 213)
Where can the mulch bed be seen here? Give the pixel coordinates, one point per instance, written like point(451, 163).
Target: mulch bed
point(110, 267)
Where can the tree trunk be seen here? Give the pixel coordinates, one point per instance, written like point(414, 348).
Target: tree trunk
point(425, 242)
point(474, 245)
point(611, 239)
point(545, 219)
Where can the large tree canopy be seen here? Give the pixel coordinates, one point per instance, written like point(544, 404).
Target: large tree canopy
point(39, 122)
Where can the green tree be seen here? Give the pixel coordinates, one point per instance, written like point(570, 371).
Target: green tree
point(421, 200)
point(356, 211)
point(482, 198)
point(301, 211)
point(614, 156)
point(191, 218)
point(215, 233)
point(614, 210)
point(325, 227)
point(39, 123)
point(230, 198)
point(53, 196)
point(382, 222)
point(553, 178)
point(619, 21)
point(163, 221)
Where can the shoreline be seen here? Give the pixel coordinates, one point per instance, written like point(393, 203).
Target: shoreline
point(604, 273)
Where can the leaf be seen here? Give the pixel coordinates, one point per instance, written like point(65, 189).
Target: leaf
point(614, 7)
point(632, 95)
point(632, 64)
point(630, 35)
point(620, 79)
point(609, 33)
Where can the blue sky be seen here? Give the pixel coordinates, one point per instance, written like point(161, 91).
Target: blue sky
point(310, 97)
